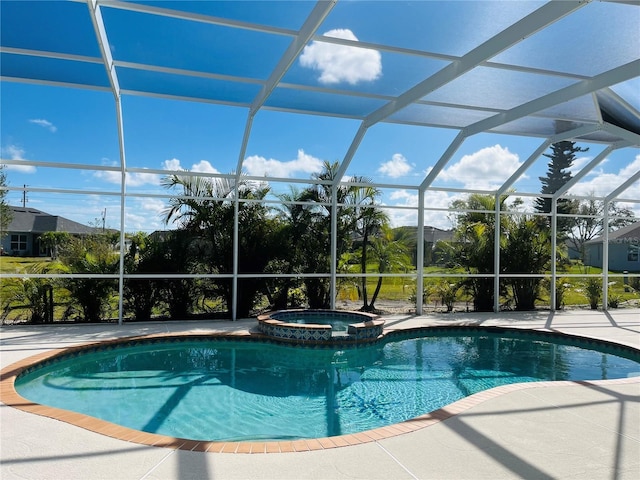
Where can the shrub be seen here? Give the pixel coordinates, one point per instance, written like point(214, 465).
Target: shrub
point(32, 294)
point(613, 299)
point(593, 291)
point(91, 255)
point(446, 291)
point(562, 286)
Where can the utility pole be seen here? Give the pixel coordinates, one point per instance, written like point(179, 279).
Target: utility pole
point(24, 196)
point(104, 218)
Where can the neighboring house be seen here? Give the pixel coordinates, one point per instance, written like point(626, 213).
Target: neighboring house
point(27, 224)
point(160, 235)
point(624, 246)
point(432, 235)
point(572, 252)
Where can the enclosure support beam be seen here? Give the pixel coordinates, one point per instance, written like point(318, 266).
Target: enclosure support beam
point(334, 244)
point(444, 159)
point(420, 254)
point(496, 256)
point(584, 87)
point(532, 23)
point(584, 171)
point(306, 33)
point(605, 257)
point(627, 183)
point(355, 143)
point(540, 150)
point(236, 241)
point(554, 246)
point(103, 42)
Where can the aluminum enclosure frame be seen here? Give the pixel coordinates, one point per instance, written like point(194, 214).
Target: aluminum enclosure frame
point(622, 134)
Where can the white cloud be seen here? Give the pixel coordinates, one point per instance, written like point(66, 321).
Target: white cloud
point(172, 164)
point(485, 169)
point(137, 179)
point(398, 166)
point(109, 177)
point(203, 167)
point(135, 222)
point(404, 197)
point(399, 218)
point(433, 199)
point(603, 183)
point(134, 179)
point(44, 124)
point(579, 163)
point(13, 152)
point(258, 166)
point(342, 63)
point(153, 205)
point(145, 215)
point(631, 169)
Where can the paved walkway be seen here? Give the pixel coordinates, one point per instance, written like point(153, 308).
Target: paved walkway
point(562, 431)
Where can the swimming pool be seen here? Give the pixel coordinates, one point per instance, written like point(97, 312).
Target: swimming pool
point(224, 389)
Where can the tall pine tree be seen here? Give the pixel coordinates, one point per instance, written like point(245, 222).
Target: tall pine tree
point(562, 156)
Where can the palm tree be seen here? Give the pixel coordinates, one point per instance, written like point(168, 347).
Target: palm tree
point(391, 256)
point(525, 247)
point(200, 199)
point(313, 220)
point(369, 221)
point(526, 250)
point(142, 295)
point(90, 255)
point(206, 209)
point(474, 245)
point(297, 241)
point(34, 294)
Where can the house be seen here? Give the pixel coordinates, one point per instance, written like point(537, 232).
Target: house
point(624, 246)
point(161, 235)
point(573, 252)
point(432, 235)
point(27, 224)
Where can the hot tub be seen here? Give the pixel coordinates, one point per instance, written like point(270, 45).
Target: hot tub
point(320, 326)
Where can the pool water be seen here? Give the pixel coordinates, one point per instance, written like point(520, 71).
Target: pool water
point(217, 389)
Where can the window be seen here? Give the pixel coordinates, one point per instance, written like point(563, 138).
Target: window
point(632, 253)
point(18, 242)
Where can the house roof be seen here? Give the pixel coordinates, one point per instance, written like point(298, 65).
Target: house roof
point(628, 234)
point(32, 220)
point(435, 234)
point(431, 233)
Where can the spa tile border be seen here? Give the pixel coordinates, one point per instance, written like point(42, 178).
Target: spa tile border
point(364, 326)
point(10, 397)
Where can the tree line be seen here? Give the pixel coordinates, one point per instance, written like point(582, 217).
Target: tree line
point(282, 242)
point(278, 245)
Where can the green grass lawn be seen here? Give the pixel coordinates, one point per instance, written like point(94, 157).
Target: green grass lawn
point(20, 264)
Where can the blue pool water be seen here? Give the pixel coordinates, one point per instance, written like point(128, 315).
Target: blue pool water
point(218, 389)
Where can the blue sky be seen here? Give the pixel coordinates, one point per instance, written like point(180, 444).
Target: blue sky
point(55, 124)
point(78, 126)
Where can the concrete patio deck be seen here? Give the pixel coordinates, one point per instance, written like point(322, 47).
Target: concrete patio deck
point(560, 431)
